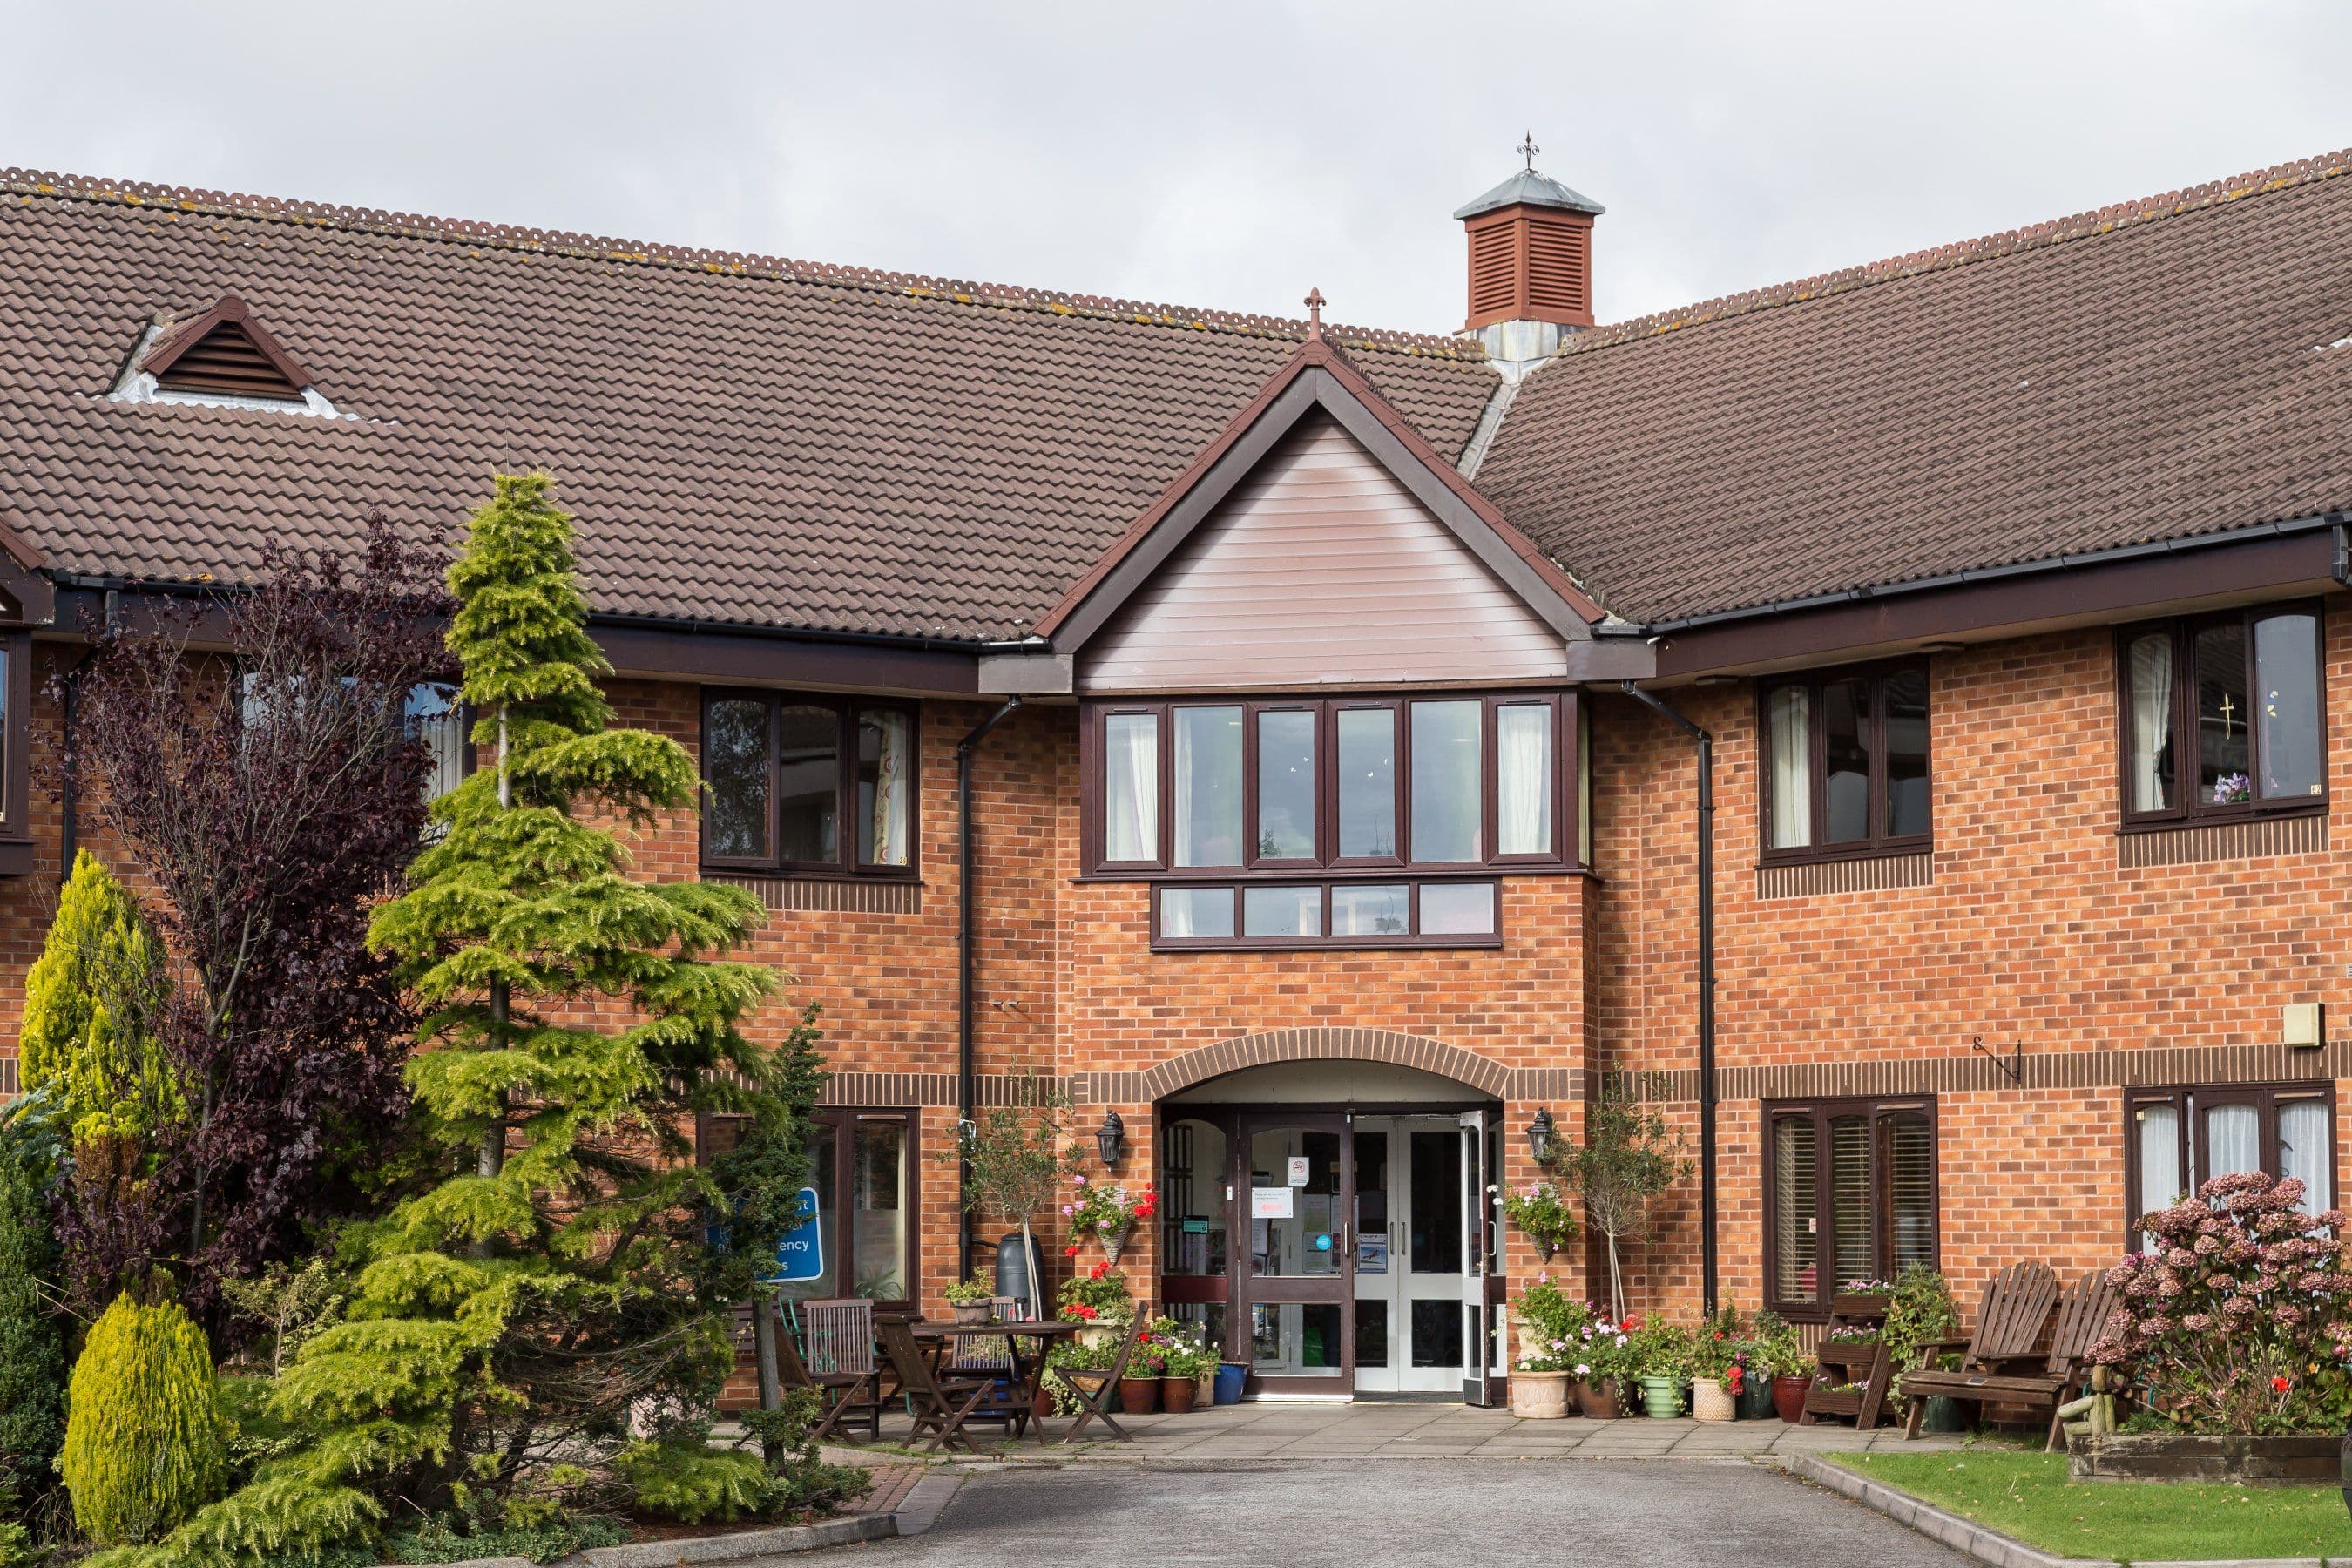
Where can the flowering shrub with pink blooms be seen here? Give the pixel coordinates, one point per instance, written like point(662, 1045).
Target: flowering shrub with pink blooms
point(2238, 1319)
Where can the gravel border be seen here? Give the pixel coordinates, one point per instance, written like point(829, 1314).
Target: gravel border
point(1963, 1535)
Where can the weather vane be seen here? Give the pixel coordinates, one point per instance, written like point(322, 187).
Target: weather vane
point(1528, 149)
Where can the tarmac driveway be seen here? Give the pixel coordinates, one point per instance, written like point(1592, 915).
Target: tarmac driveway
point(1627, 1513)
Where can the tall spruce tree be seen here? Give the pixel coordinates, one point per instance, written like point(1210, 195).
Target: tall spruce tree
point(558, 1285)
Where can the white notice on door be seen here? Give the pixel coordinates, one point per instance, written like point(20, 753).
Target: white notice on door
point(1298, 1170)
point(1270, 1203)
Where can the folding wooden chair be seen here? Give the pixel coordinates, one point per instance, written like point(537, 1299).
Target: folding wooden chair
point(992, 1358)
point(840, 1356)
point(1097, 1390)
point(939, 1405)
point(839, 1393)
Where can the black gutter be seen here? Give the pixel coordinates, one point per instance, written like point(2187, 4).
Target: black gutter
point(965, 1082)
point(1978, 576)
point(1706, 989)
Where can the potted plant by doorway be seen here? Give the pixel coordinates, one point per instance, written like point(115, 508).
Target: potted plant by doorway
point(1603, 1363)
point(1181, 1358)
point(1790, 1368)
point(1098, 1300)
point(1550, 1340)
point(1716, 1369)
point(1662, 1361)
point(1139, 1391)
point(970, 1299)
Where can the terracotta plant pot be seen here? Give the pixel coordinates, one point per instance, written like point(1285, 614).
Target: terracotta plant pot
point(1540, 1395)
point(1041, 1406)
point(1139, 1395)
point(1788, 1397)
point(1710, 1403)
point(1597, 1401)
point(1177, 1394)
point(970, 1311)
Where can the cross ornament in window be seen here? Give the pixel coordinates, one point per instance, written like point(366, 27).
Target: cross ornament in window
point(2229, 710)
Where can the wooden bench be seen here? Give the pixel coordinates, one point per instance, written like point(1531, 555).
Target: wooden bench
point(2008, 1332)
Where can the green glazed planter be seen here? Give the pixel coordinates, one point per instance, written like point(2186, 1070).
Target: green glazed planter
point(1756, 1399)
point(1662, 1397)
point(1942, 1415)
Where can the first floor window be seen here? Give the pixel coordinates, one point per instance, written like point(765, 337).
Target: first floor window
point(2177, 1139)
point(807, 784)
point(2222, 715)
point(1849, 1194)
point(1846, 761)
point(435, 715)
point(861, 1235)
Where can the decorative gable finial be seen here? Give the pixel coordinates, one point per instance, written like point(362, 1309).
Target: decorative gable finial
point(1528, 149)
point(1314, 303)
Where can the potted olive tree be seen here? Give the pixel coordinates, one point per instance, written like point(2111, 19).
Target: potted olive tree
point(1629, 1158)
point(1015, 1157)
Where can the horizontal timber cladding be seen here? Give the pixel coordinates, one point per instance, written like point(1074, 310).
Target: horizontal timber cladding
point(874, 897)
point(2305, 834)
point(1867, 875)
point(1974, 1073)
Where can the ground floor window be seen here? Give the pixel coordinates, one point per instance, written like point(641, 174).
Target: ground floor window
point(862, 1239)
point(1849, 1194)
point(2177, 1139)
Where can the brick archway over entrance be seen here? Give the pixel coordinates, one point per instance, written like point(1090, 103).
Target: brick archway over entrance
point(1311, 1044)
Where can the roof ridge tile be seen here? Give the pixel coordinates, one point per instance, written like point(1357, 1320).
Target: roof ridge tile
point(1957, 253)
point(30, 182)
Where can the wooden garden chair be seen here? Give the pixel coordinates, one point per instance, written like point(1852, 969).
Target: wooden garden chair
point(838, 1334)
point(1098, 1390)
point(839, 1393)
point(2016, 1308)
point(992, 1358)
point(939, 1405)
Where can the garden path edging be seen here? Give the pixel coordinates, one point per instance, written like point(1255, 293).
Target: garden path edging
point(746, 1543)
point(1964, 1535)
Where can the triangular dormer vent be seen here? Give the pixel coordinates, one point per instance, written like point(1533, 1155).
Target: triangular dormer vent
point(225, 352)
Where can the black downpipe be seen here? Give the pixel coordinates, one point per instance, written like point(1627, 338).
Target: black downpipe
point(70, 788)
point(965, 1083)
point(1706, 990)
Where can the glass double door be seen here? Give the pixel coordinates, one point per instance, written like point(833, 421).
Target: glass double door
point(1359, 1253)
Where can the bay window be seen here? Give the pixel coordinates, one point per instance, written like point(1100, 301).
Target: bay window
point(1342, 822)
point(807, 784)
point(1845, 756)
point(2177, 1139)
point(1849, 1194)
point(2222, 716)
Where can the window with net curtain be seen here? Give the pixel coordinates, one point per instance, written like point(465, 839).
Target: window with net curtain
point(2223, 716)
point(1852, 1187)
point(2180, 1139)
point(1846, 761)
point(810, 784)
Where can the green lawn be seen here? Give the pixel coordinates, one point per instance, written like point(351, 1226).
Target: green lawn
point(2029, 1497)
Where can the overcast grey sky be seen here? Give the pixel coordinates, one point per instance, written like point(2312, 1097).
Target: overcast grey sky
point(1211, 154)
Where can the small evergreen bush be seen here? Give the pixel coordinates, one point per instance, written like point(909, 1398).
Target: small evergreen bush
point(90, 1001)
point(145, 1439)
point(32, 1351)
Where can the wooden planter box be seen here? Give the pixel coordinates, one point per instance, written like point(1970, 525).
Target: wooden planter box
point(2315, 1459)
point(1845, 1305)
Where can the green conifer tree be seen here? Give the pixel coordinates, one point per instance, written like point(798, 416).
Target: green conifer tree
point(32, 1348)
point(559, 1281)
point(89, 1010)
point(146, 1441)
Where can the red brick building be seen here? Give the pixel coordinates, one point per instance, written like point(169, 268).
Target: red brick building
point(1373, 741)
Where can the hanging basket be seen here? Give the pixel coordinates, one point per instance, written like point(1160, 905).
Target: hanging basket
point(1114, 1240)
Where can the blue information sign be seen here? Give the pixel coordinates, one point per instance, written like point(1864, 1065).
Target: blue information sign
point(800, 1255)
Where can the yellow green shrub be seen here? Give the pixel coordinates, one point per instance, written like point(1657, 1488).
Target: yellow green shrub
point(145, 1437)
point(87, 1002)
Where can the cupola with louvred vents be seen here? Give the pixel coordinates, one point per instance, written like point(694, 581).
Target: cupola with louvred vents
point(1530, 251)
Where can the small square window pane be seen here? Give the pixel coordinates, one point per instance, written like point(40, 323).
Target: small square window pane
point(1196, 912)
point(1282, 911)
point(1457, 909)
point(1376, 908)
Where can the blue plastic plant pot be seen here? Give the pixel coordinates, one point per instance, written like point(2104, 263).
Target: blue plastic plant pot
point(1230, 1374)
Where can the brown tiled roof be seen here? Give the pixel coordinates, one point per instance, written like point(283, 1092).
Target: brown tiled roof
point(2150, 372)
point(744, 439)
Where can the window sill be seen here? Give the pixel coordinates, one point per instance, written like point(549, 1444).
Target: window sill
point(770, 874)
point(1891, 850)
point(1329, 945)
point(1333, 874)
point(2286, 811)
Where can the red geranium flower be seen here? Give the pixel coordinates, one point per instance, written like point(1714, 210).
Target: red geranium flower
point(1069, 1252)
point(2278, 1385)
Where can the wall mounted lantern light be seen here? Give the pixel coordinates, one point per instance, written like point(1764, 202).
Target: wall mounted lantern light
point(1110, 1138)
point(1539, 1136)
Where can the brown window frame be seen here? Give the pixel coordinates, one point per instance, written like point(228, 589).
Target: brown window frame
point(2188, 807)
point(1877, 842)
point(846, 709)
point(1237, 885)
point(2188, 1101)
point(15, 756)
point(844, 1120)
point(1567, 735)
point(1822, 1111)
